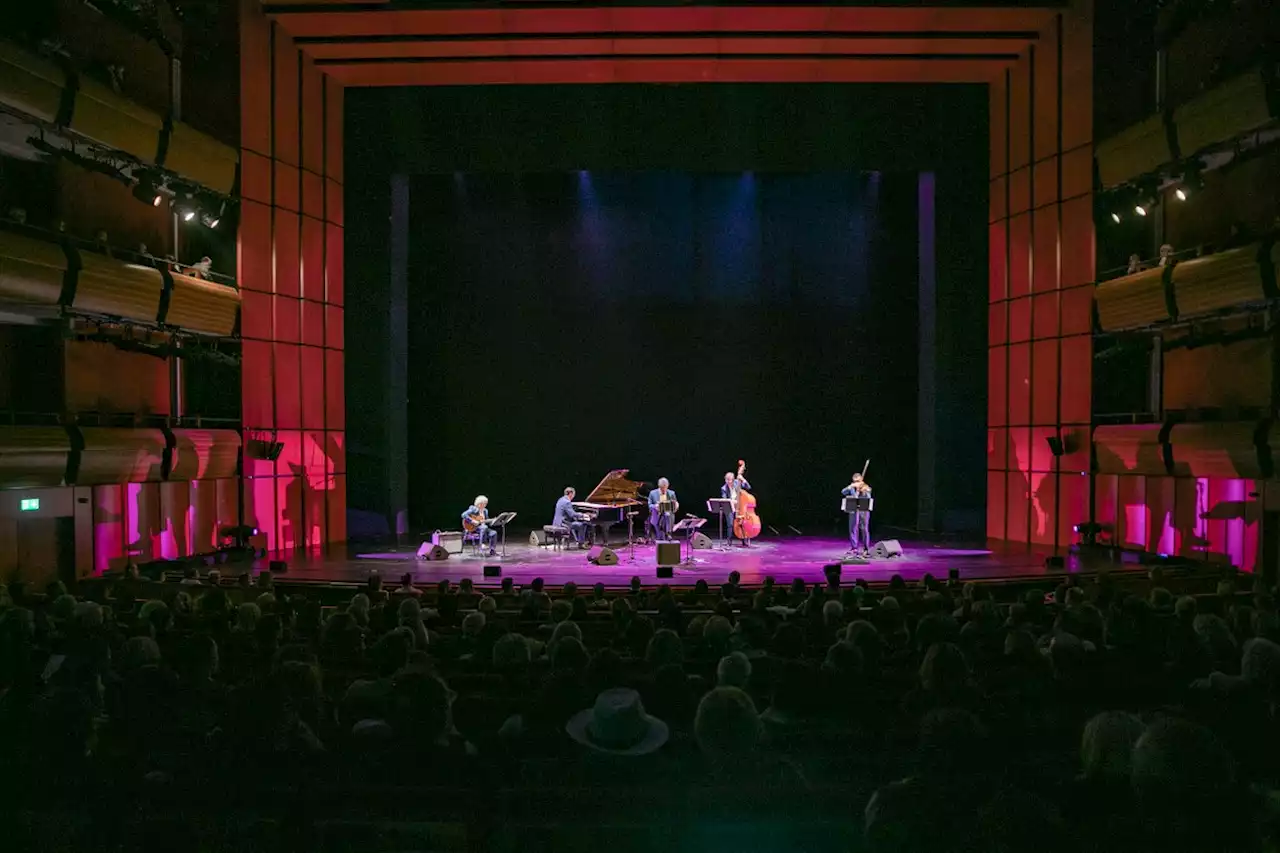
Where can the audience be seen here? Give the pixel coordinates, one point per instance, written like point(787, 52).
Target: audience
point(1093, 718)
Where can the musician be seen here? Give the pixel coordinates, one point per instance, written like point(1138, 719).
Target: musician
point(733, 485)
point(662, 508)
point(488, 536)
point(859, 520)
point(566, 516)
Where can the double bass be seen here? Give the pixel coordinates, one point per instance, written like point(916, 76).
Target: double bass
point(746, 524)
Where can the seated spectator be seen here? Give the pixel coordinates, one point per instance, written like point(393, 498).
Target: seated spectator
point(734, 670)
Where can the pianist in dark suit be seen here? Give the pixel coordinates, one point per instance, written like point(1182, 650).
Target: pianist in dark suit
point(661, 517)
point(733, 484)
point(479, 511)
point(569, 518)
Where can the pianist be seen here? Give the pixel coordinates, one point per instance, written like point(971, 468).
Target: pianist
point(476, 520)
point(662, 508)
point(570, 519)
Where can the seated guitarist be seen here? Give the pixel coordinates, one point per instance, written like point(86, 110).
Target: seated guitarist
point(662, 508)
point(478, 513)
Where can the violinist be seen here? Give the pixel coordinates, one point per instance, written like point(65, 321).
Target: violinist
point(733, 486)
point(859, 520)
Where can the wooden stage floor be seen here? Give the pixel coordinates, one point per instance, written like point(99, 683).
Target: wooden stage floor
point(784, 558)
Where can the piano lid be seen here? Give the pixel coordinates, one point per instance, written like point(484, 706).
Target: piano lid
point(616, 490)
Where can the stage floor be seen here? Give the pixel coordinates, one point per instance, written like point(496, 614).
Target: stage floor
point(784, 558)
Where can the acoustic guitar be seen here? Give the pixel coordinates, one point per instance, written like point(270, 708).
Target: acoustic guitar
point(473, 522)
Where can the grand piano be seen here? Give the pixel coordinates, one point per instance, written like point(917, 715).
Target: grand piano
point(607, 504)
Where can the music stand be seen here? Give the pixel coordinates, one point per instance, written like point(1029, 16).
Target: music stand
point(501, 523)
point(853, 504)
point(690, 524)
point(718, 507)
point(631, 535)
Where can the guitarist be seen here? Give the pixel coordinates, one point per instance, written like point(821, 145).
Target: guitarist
point(733, 486)
point(859, 520)
point(478, 514)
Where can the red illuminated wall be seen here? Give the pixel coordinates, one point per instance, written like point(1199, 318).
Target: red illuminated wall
point(1042, 269)
point(290, 274)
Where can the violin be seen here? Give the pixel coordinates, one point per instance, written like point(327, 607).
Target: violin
point(746, 524)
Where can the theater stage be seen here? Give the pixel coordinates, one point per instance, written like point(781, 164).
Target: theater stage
point(785, 558)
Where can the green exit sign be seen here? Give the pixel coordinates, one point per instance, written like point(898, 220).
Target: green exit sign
point(30, 504)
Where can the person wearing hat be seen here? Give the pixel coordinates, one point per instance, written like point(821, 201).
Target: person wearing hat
point(618, 725)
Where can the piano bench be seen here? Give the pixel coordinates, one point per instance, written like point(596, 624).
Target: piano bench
point(555, 536)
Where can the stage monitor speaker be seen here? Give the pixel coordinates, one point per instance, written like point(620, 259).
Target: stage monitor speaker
point(887, 548)
point(492, 571)
point(602, 556)
point(701, 542)
point(668, 553)
point(427, 551)
point(538, 537)
point(666, 572)
point(278, 567)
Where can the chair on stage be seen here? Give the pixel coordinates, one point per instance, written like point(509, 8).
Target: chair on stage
point(557, 536)
point(473, 540)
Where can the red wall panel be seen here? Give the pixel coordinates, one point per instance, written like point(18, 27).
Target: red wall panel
point(1045, 266)
point(254, 252)
point(313, 195)
point(255, 78)
point(1020, 255)
point(1019, 449)
point(1187, 509)
point(1019, 384)
point(204, 515)
point(1161, 536)
point(1077, 310)
point(995, 504)
point(312, 259)
point(1045, 94)
point(257, 383)
point(1019, 320)
point(313, 323)
point(997, 386)
point(255, 315)
point(997, 201)
point(1044, 382)
point(312, 117)
point(287, 319)
point(1042, 459)
point(1077, 173)
point(333, 207)
point(1020, 114)
point(288, 188)
point(333, 115)
point(1018, 502)
point(260, 508)
point(997, 323)
point(228, 503)
point(998, 112)
point(176, 520)
point(1073, 506)
point(1045, 314)
point(1044, 183)
point(1077, 380)
point(334, 334)
point(1044, 508)
point(997, 449)
point(255, 177)
point(1019, 191)
point(313, 387)
point(108, 528)
point(316, 517)
point(288, 386)
point(287, 258)
point(336, 450)
point(1134, 518)
point(285, 98)
point(1078, 251)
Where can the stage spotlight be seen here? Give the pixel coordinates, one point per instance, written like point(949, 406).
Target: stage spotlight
point(1181, 193)
point(188, 215)
point(1115, 217)
point(209, 221)
point(147, 191)
point(1140, 209)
